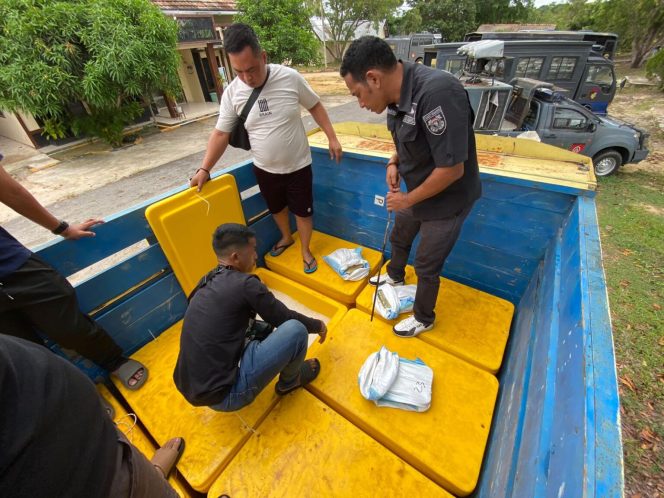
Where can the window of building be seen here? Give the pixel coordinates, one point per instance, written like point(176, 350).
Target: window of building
point(569, 119)
point(561, 68)
point(529, 67)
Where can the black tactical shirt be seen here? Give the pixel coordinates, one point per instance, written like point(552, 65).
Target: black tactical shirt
point(432, 127)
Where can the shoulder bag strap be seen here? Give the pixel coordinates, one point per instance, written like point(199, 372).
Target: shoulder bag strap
point(252, 98)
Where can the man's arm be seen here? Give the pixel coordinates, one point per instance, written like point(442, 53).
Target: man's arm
point(216, 147)
point(319, 114)
point(17, 197)
point(436, 182)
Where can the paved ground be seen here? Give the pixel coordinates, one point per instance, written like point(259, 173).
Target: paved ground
point(97, 182)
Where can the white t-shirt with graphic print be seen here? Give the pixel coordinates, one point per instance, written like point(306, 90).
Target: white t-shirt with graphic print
point(278, 141)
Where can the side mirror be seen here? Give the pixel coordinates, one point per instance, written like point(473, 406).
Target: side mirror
point(591, 127)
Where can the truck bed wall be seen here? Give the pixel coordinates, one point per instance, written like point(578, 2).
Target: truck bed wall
point(556, 431)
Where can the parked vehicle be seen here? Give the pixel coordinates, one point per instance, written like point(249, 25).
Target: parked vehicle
point(411, 48)
point(527, 105)
point(588, 77)
point(605, 43)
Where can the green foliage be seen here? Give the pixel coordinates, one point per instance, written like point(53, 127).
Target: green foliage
point(408, 23)
point(502, 11)
point(452, 18)
point(283, 29)
point(103, 53)
point(344, 16)
point(107, 123)
point(655, 67)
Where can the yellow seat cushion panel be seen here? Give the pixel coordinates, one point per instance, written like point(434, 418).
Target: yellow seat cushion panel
point(325, 280)
point(135, 434)
point(295, 296)
point(305, 449)
point(212, 437)
point(470, 324)
point(184, 223)
point(447, 442)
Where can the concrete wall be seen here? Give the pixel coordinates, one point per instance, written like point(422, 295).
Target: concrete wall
point(11, 128)
point(190, 84)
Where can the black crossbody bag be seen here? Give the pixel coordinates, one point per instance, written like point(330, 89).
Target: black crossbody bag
point(239, 137)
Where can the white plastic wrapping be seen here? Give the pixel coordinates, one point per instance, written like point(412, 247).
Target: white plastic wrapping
point(394, 300)
point(395, 382)
point(348, 263)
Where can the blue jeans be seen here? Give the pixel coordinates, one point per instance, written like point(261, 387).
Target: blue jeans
point(282, 352)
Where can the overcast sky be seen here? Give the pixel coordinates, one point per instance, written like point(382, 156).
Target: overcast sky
point(539, 3)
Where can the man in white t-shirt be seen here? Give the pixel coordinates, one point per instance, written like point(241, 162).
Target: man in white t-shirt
point(282, 157)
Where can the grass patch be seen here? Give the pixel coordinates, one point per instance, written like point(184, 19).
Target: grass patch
point(630, 207)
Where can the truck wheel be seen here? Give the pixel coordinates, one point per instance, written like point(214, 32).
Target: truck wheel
point(607, 163)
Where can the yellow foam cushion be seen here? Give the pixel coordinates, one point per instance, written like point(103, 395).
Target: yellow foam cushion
point(304, 449)
point(184, 224)
point(447, 442)
point(212, 437)
point(470, 324)
point(325, 280)
point(137, 436)
point(330, 310)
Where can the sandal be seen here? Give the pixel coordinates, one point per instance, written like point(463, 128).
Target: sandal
point(277, 250)
point(310, 266)
point(308, 372)
point(127, 371)
point(166, 457)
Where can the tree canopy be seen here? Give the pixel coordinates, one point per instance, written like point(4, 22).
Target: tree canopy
point(283, 29)
point(103, 54)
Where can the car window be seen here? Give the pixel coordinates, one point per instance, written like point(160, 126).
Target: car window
point(569, 119)
point(600, 75)
point(454, 66)
point(529, 67)
point(530, 121)
point(561, 68)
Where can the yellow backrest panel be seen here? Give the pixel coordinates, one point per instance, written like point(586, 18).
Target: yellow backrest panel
point(447, 442)
point(325, 280)
point(470, 324)
point(184, 224)
point(305, 449)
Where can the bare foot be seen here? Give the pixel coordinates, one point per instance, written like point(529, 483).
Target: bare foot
point(168, 455)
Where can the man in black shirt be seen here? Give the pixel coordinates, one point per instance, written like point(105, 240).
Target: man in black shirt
point(221, 363)
point(56, 439)
point(431, 121)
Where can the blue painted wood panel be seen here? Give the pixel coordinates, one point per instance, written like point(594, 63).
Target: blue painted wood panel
point(116, 280)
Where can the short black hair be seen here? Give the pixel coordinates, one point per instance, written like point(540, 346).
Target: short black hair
point(365, 53)
point(238, 36)
point(231, 236)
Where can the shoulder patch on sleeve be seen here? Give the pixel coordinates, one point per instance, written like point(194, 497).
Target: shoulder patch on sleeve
point(435, 121)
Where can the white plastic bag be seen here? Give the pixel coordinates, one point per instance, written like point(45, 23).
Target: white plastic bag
point(392, 301)
point(395, 382)
point(378, 373)
point(411, 390)
point(348, 263)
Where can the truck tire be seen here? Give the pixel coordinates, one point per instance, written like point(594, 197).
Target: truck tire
point(607, 162)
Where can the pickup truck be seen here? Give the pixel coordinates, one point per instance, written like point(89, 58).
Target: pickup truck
point(536, 106)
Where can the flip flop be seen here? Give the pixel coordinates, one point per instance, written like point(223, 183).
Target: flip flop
point(165, 459)
point(277, 250)
point(308, 372)
point(128, 370)
point(311, 266)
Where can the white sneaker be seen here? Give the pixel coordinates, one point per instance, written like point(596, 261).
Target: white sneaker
point(385, 279)
point(410, 327)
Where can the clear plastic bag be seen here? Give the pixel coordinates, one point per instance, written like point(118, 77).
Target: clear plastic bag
point(378, 373)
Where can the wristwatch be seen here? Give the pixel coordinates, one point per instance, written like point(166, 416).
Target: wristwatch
point(60, 228)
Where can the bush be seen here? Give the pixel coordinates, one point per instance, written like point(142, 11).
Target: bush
point(655, 67)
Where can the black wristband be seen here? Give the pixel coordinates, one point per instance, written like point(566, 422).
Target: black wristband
point(206, 170)
point(60, 228)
